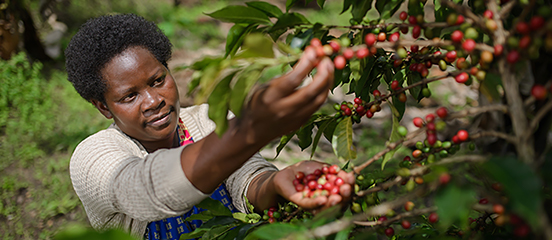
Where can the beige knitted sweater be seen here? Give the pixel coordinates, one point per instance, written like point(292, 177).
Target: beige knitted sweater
point(122, 186)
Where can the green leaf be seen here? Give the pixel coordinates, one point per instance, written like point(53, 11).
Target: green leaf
point(387, 8)
point(240, 14)
point(520, 183)
point(267, 8)
point(454, 205)
point(360, 8)
point(321, 129)
point(244, 230)
point(321, 3)
point(395, 135)
point(235, 37)
point(276, 231)
point(346, 5)
point(283, 142)
point(215, 207)
point(240, 216)
point(208, 81)
point(412, 78)
point(205, 62)
point(218, 104)
point(289, 4)
point(342, 140)
point(256, 45)
point(289, 20)
point(240, 91)
point(415, 7)
point(218, 231)
point(305, 132)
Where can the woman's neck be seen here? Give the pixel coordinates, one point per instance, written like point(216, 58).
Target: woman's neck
point(171, 142)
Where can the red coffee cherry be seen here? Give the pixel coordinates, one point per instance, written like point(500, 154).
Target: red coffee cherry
point(498, 208)
point(382, 36)
point(536, 23)
point(405, 224)
point(462, 77)
point(462, 135)
point(395, 85)
point(444, 178)
point(433, 218)
point(451, 56)
point(498, 49)
point(539, 92)
point(370, 39)
point(362, 53)
point(430, 117)
point(418, 122)
point(376, 93)
point(457, 36)
point(348, 53)
point(412, 20)
point(431, 139)
point(403, 15)
point(460, 19)
point(416, 31)
point(389, 232)
point(468, 45)
point(394, 37)
point(340, 62)
point(315, 42)
point(523, 28)
point(524, 42)
point(442, 112)
point(336, 46)
point(512, 57)
point(488, 14)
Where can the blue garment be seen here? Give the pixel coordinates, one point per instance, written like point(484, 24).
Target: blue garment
point(171, 228)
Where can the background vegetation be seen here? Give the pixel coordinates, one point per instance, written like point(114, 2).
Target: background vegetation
point(42, 118)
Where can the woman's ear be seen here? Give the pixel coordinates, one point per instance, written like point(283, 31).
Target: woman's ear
point(102, 108)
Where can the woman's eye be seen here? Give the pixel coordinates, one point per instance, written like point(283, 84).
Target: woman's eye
point(159, 81)
point(129, 97)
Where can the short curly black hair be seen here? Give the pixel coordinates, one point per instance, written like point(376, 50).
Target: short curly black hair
point(101, 39)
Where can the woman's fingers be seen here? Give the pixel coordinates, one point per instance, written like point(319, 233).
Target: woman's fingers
point(286, 84)
point(314, 93)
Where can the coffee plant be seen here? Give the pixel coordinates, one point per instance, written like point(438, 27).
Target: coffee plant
point(479, 171)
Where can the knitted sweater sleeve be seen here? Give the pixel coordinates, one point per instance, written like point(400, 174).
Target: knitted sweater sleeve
point(111, 175)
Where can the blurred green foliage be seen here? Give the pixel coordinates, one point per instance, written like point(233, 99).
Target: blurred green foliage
point(38, 130)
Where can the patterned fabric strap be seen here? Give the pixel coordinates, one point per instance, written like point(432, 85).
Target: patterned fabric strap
point(171, 228)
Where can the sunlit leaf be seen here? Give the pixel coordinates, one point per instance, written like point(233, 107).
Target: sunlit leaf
point(218, 104)
point(235, 38)
point(215, 207)
point(267, 8)
point(283, 142)
point(256, 45)
point(322, 126)
point(246, 80)
point(240, 14)
point(387, 8)
point(360, 8)
point(395, 135)
point(342, 140)
point(289, 20)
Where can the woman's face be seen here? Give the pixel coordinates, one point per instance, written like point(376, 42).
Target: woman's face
point(141, 96)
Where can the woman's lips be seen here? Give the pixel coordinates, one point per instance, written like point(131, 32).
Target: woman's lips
point(161, 121)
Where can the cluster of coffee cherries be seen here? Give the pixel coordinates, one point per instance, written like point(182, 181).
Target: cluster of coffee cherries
point(358, 108)
point(275, 214)
point(406, 224)
point(340, 48)
point(322, 182)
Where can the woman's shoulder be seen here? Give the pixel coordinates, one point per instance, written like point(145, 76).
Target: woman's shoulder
point(110, 139)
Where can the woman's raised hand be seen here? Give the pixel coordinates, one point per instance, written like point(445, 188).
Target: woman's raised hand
point(282, 106)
